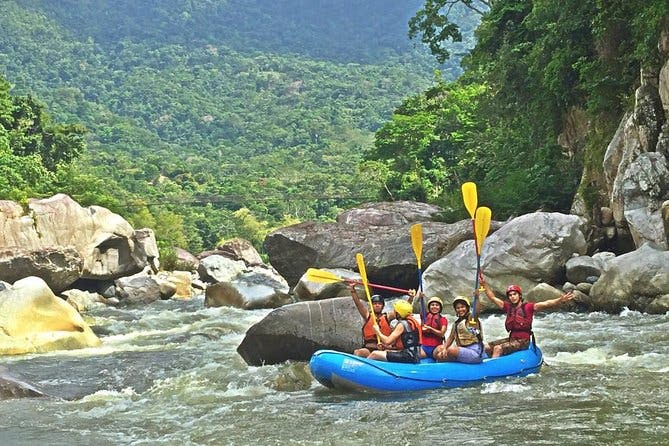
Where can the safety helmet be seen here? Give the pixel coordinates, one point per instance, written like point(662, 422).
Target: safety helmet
point(515, 288)
point(377, 298)
point(403, 308)
point(462, 299)
point(437, 300)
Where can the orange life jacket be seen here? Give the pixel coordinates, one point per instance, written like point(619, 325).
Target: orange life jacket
point(368, 335)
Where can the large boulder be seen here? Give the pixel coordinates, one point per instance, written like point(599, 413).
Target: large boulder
point(645, 187)
point(527, 250)
point(33, 319)
point(390, 213)
point(638, 280)
point(258, 287)
point(387, 250)
point(105, 242)
point(296, 331)
point(58, 266)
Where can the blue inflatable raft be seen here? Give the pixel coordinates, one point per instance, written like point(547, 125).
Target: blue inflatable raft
point(352, 373)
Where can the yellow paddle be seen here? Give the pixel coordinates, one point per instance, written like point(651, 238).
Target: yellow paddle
point(417, 245)
point(483, 216)
point(470, 197)
point(363, 273)
point(322, 276)
point(482, 226)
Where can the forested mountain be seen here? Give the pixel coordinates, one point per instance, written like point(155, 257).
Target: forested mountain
point(209, 119)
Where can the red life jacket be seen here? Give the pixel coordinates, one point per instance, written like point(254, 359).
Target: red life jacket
point(368, 335)
point(519, 320)
point(435, 321)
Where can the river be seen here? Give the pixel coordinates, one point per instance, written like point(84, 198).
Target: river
point(169, 374)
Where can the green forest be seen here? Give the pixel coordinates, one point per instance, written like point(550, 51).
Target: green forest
point(207, 120)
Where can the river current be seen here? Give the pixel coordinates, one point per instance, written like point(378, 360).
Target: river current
point(169, 374)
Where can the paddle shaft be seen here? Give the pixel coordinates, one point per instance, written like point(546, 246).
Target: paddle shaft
point(363, 273)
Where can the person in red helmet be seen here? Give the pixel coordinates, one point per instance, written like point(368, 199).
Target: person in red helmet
point(519, 316)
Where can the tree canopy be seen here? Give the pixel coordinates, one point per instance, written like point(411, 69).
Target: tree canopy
point(533, 64)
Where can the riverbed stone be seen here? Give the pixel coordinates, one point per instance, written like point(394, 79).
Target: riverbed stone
point(33, 319)
point(638, 280)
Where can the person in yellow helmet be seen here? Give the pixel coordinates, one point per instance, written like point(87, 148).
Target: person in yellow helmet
point(405, 334)
point(465, 341)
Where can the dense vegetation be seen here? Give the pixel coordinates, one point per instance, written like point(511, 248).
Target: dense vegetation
point(498, 124)
point(210, 119)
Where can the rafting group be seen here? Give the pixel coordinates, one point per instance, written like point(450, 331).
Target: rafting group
point(411, 340)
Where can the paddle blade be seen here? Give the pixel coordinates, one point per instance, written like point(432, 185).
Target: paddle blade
point(470, 197)
point(321, 276)
point(482, 223)
point(417, 241)
point(361, 267)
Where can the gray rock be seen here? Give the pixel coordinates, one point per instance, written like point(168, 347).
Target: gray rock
point(12, 387)
point(526, 251)
point(296, 331)
point(581, 267)
point(394, 213)
point(260, 287)
point(387, 250)
point(217, 268)
point(645, 186)
point(58, 266)
point(139, 288)
point(638, 280)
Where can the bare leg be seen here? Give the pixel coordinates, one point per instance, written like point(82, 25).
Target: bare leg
point(362, 352)
point(439, 353)
point(379, 355)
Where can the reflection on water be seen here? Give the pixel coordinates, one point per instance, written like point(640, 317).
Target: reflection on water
point(169, 374)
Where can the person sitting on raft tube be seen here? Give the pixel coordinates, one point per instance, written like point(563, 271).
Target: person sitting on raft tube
point(465, 341)
point(519, 316)
point(406, 334)
point(370, 342)
point(434, 325)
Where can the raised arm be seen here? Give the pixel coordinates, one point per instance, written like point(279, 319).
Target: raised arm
point(490, 295)
point(362, 307)
point(539, 306)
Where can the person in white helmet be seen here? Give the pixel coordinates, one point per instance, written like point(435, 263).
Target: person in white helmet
point(465, 341)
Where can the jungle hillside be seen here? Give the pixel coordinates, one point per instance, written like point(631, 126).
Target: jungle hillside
point(207, 120)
